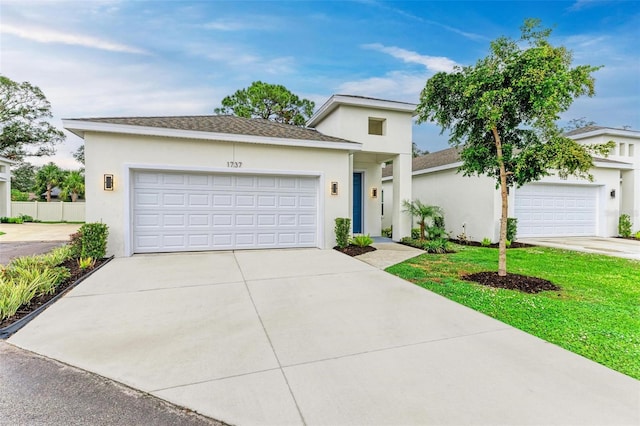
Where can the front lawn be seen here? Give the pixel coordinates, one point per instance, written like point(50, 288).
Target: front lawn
point(596, 312)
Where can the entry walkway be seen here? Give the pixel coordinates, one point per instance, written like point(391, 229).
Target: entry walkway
point(292, 337)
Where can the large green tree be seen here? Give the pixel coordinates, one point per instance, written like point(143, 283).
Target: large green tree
point(503, 110)
point(268, 101)
point(23, 177)
point(24, 129)
point(48, 177)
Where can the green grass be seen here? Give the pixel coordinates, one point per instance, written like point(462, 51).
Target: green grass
point(595, 314)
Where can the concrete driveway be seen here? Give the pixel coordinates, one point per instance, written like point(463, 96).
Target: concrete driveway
point(617, 247)
point(315, 337)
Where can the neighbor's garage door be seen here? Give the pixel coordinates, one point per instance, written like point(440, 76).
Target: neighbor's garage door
point(556, 210)
point(194, 211)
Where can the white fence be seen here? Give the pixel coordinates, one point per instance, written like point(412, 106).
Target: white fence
point(49, 212)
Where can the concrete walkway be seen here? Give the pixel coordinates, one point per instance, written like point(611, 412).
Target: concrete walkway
point(617, 247)
point(316, 337)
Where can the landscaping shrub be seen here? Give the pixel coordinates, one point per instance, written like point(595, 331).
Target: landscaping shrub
point(439, 246)
point(361, 240)
point(624, 225)
point(512, 228)
point(343, 226)
point(415, 233)
point(17, 195)
point(486, 242)
point(5, 219)
point(90, 241)
point(436, 232)
point(26, 218)
point(31, 276)
point(387, 232)
point(638, 235)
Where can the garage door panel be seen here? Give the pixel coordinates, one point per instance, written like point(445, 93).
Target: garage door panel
point(175, 211)
point(556, 210)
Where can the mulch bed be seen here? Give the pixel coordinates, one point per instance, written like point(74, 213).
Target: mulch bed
point(629, 238)
point(512, 282)
point(76, 274)
point(514, 244)
point(352, 250)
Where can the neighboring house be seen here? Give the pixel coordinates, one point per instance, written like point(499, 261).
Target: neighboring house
point(5, 186)
point(165, 184)
point(55, 194)
point(548, 208)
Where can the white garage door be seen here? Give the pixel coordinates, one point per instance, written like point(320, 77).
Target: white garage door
point(556, 210)
point(197, 211)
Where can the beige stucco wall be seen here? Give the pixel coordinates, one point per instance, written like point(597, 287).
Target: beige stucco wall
point(5, 188)
point(372, 220)
point(116, 154)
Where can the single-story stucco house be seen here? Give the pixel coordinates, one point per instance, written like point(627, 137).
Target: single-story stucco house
point(5, 186)
point(552, 207)
point(165, 184)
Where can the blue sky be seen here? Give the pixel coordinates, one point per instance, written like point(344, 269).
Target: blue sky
point(131, 58)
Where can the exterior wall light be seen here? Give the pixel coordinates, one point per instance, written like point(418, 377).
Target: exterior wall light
point(374, 192)
point(108, 182)
point(613, 193)
point(334, 188)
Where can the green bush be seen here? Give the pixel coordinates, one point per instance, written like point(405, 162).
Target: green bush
point(624, 225)
point(19, 195)
point(415, 233)
point(486, 242)
point(11, 220)
point(638, 235)
point(512, 228)
point(361, 240)
point(342, 229)
point(439, 245)
point(31, 276)
point(436, 232)
point(387, 232)
point(90, 241)
point(26, 218)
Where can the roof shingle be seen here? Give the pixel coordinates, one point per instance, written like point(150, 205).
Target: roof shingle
point(221, 124)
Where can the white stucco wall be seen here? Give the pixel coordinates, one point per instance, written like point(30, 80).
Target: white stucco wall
point(469, 203)
point(116, 154)
point(372, 173)
point(5, 187)
point(352, 123)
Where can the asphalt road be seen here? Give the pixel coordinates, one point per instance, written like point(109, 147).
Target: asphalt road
point(11, 250)
point(39, 391)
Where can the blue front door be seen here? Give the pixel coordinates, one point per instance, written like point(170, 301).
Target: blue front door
point(357, 203)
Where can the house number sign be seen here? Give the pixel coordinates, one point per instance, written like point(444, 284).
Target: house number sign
point(234, 164)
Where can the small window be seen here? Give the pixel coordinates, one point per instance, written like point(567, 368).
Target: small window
point(622, 150)
point(631, 148)
point(376, 126)
point(3, 169)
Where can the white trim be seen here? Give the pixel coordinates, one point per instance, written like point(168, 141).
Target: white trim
point(337, 100)
point(6, 160)
point(617, 165)
point(606, 131)
point(130, 168)
point(437, 168)
point(79, 127)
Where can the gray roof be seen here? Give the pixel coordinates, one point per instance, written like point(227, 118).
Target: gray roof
point(428, 161)
point(588, 129)
point(221, 124)
point(375, 99)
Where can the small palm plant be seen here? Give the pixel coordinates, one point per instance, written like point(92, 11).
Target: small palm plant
point(73, 185)
point(422, 212)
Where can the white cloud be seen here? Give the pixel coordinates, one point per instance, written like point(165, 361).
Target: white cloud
point(396, 85)
point(432, 63)
point(43, 35)
point(239, 57)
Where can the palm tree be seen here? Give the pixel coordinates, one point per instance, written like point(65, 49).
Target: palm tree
point(422, 212)
point(73, 185)
point(49, 176)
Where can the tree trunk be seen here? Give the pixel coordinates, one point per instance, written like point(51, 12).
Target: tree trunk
point(502, 246)
point(49, 193)
point(422, 230)
point(74, 197)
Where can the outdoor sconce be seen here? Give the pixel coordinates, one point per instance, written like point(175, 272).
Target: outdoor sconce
point(108, 182)
point(334, 188)
point(613, 193)
point(374, 192)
